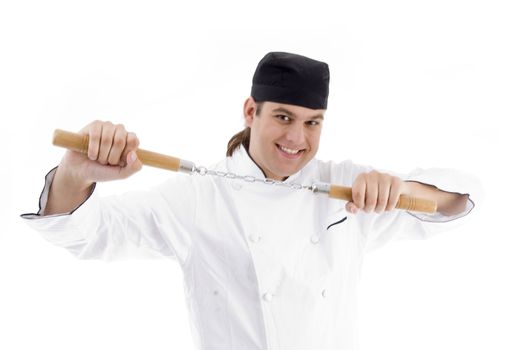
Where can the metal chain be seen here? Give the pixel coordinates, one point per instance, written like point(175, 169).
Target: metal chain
point(201, 170)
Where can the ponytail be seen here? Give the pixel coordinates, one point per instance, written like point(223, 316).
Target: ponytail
point(242, 137)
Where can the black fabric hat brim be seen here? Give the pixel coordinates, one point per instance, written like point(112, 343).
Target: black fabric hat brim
point(287, 96)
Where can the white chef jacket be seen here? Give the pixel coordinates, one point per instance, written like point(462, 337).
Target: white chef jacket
point(265, 267)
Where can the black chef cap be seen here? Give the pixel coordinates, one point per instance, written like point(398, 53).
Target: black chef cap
point(292, 79)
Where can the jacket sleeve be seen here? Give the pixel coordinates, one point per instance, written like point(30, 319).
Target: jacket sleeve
point(379, 229)
point(150, 223)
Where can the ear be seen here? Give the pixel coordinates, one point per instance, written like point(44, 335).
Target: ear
point(249, 111)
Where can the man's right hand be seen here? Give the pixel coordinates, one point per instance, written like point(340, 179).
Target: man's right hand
point(111, 156)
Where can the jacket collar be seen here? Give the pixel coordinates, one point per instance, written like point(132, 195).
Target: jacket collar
point(242, 164)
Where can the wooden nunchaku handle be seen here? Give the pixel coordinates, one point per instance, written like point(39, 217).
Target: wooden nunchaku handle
point(79, 143)
point(405, 202)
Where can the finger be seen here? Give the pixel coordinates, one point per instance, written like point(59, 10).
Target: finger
point(358, 192)
point(396, 190)
point(371, 193)
point(132, 144)
point(94, 132)
point(351, 207)
point(106, 141)
point(118, 145)
point(384, 189)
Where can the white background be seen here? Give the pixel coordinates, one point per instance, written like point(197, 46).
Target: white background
point(413, 84)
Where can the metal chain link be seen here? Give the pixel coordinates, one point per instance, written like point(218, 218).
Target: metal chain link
point(201, 170)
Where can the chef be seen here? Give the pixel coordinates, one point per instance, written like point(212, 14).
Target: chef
point(265, 267)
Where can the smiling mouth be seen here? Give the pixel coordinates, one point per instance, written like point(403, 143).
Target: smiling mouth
point(289, 151)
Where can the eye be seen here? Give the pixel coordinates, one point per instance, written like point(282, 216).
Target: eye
point(283, 117)
point(313, 123)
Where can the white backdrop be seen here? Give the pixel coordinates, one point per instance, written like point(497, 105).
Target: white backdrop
point(413, 84)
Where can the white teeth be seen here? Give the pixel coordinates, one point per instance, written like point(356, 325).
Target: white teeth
point(288, 150)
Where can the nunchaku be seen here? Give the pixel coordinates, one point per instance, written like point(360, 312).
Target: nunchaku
point(79, 143)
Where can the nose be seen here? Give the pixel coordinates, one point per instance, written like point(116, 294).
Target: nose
point(295, 134)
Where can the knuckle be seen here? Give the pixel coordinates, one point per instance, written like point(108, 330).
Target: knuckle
point(371, 179)
point(95, 124)
point(120, 129)
point(372, 192)
point(106, 141)
point(382, 202)
point(94, 129)
point(94, 137)
point(93, 147)
point(370, 201)
point(380, 206)
point(370, 204)
point(357, 197)
point(119, 142)
point(133, 141)
point(361, 177)
point(357, 191)
point(396, 182)
point(374, 174)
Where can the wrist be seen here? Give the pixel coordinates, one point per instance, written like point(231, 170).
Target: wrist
point(68, 180)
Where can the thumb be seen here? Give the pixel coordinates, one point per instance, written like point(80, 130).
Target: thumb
point(351, 208)
point(133, 165)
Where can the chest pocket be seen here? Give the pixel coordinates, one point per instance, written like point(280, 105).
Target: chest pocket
point(336, 240)
point(323, 249)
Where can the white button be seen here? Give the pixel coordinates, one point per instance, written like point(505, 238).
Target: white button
point(267, 296)
point(315, 239)
point(324, 293)
point(237, 186)
point(255, 238)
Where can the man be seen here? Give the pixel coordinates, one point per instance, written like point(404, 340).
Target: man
point(265, 267)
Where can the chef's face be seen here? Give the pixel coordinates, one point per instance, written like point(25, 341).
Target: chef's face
point(283, 137)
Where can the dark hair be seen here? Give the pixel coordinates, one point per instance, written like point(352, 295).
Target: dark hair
point(242, 137)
